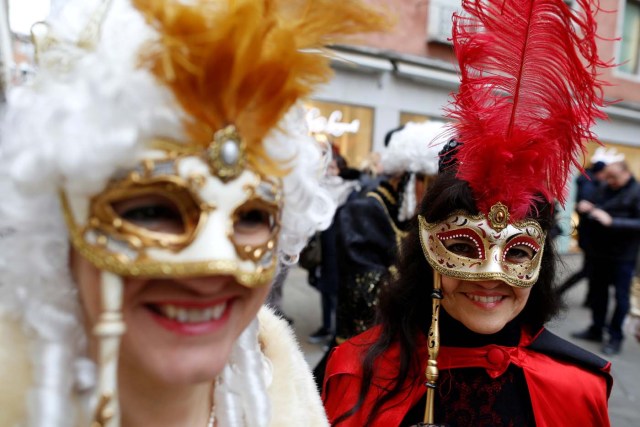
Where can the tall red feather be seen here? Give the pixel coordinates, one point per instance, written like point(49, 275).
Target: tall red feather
point(528, 97)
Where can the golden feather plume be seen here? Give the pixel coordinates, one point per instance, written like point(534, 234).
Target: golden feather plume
point(246, 62)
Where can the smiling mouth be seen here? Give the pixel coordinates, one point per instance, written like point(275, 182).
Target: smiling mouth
point(190, 315)
point(485, 299)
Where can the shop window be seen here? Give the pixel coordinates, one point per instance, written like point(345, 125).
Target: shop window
point(354, 147)
point(414, 117)
point(629, 54)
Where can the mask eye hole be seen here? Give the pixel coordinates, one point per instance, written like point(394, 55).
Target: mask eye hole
point(463, 242)
point(156, 213)
point(520, 250)
point(254, 223)
point(152, 212)
point(462, 246)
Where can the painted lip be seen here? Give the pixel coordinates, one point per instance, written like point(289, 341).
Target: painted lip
point(192, 328)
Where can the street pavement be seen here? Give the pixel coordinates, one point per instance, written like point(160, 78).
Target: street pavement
point(302, 304)
point(624, 403)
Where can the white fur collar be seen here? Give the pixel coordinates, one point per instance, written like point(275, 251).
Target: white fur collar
point(293, 394)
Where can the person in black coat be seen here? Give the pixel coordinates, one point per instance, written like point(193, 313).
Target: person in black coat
point(343, 184)
point(371, 226)
point(613, 216)
point(587, 185)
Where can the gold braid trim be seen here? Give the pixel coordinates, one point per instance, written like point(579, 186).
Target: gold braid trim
point(399, 233)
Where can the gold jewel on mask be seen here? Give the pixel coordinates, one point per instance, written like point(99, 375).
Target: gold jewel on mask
point(498, 216)
point(467, 247)
point(227, 153)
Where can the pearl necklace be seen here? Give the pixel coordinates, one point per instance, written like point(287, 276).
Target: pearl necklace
point(212, 416)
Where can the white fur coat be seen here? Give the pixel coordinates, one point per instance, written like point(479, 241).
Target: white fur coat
point(294, 398)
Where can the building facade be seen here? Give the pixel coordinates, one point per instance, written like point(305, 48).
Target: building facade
point(409, 74)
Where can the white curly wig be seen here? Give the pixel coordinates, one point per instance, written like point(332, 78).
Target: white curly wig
point(413, 149)
point(82, 117)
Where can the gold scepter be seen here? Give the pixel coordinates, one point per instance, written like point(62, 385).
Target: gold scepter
point(431, 371)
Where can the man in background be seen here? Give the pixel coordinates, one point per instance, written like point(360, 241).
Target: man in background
point(614, 220)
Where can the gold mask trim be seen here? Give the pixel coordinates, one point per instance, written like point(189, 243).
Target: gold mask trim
point(490, 262)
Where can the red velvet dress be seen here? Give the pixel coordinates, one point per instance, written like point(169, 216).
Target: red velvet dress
point(567, 386)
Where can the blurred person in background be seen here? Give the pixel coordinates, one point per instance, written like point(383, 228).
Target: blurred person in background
point(586, 185)
point(613, 216)
point(371, 227)
point(371, 172)
point(324, 276)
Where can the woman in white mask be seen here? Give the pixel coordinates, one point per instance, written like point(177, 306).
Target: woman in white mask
point(154, 171)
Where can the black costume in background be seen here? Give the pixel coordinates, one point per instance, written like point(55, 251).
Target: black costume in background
point(367, 239)
point(325, 275)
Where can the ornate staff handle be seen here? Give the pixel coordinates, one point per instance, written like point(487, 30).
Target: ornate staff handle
point(431, 372)
point(109, 329)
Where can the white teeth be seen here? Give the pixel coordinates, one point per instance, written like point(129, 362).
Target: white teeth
point(483, 299)
point(193, 315)
point(216, 312)
point(170, 311)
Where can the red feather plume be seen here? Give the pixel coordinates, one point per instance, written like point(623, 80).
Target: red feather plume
point(528, 96)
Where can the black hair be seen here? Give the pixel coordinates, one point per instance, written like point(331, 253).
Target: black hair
point(341, 162)
point(405, 302)
point(598, 166)
point(389, 134)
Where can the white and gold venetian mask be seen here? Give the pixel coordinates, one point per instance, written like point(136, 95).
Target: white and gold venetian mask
point(183, 211)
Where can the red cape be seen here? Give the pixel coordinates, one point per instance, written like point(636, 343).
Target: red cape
point(562, 393)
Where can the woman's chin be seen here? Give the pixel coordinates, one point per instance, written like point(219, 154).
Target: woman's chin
point(179, 366)
point(483, 325)
point(175, 359)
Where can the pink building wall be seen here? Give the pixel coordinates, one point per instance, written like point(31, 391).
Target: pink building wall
point(409, 36)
